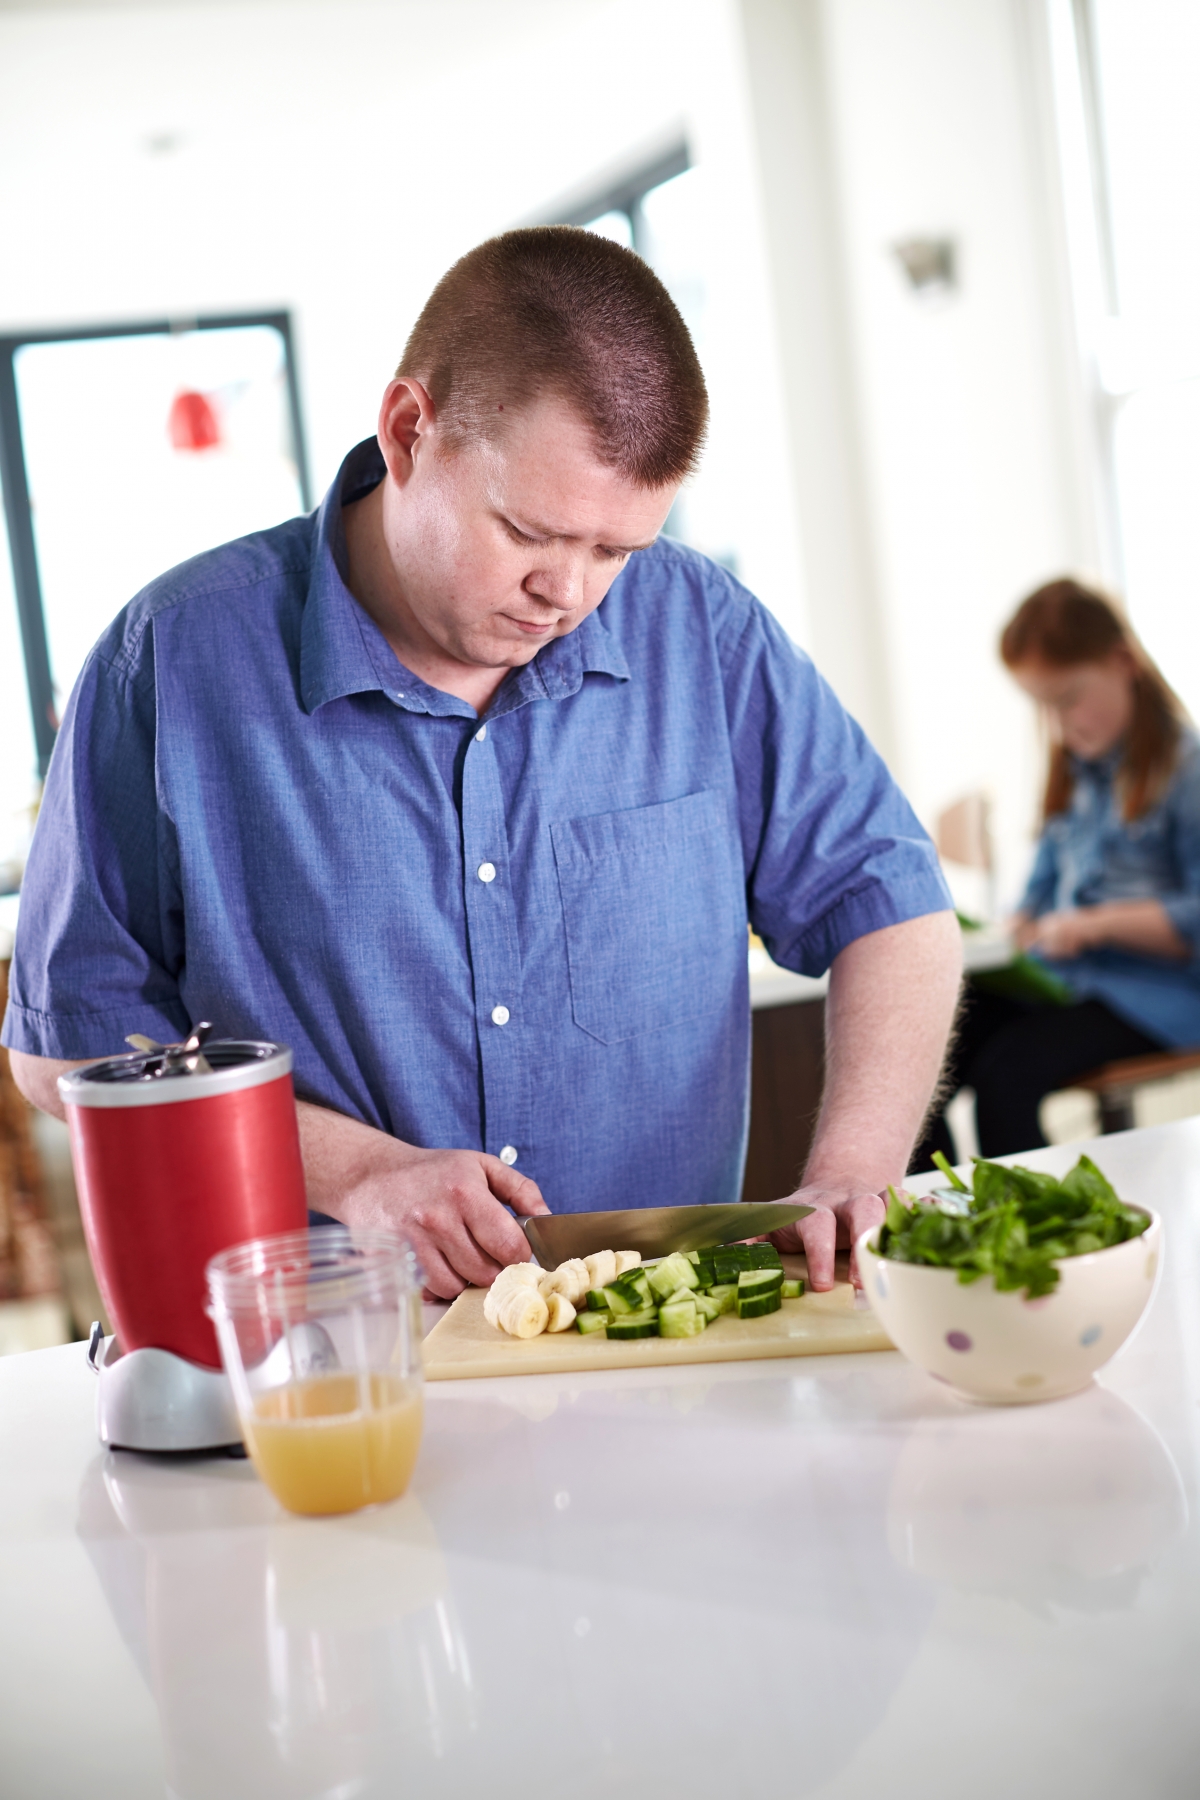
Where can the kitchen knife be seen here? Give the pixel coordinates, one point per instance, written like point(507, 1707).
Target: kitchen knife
point(654, 1230)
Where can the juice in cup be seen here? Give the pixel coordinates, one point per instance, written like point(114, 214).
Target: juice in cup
point(320, 1334)
point(320, 1450)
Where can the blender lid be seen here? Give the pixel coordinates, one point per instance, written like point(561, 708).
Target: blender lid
point(160, 1074)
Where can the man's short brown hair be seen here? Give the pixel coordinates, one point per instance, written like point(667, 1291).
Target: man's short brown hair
point(553, 311)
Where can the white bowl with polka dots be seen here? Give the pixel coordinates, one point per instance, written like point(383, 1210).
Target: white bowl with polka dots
point(1001, 1347)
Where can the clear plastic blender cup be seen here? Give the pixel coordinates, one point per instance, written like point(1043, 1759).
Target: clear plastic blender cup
point(320, 1334)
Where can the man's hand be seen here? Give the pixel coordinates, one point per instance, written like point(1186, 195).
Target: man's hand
point(839, 1220)
point(450, 1204)
point(891, 1000)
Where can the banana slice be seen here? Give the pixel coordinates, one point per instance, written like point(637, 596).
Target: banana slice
point(628, 1259)
point(516, 1275)
point(523, 1313)
point(569, 1279)
point(601, 1268)
point(562, 1313)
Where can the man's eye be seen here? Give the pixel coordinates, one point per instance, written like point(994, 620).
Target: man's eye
point(520, 537)
point(610, 555)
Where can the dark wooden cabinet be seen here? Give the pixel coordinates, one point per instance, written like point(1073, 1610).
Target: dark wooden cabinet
point(786, 1074)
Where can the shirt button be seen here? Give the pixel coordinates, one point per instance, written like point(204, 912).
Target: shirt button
point(486, 871)
point(500, 1015)
point(481, 734)
point(508, 1155)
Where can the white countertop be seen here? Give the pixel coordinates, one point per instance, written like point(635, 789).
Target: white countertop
point(822, 1577)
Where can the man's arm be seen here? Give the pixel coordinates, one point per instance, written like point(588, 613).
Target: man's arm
point(449, 1203)
point(891, 1002)
point(37, 1078)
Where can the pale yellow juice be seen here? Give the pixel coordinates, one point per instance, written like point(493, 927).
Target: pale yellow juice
point(320, 1451)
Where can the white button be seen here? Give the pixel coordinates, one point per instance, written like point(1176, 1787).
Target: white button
point(508, 1155)
point(499, 1015)
point(481, 734)
point(486, 871)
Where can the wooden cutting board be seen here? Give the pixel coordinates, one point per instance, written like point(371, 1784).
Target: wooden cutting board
point(463, 1346)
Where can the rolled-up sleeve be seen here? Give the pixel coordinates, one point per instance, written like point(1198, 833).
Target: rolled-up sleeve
point(99, 933)
point(832, 848)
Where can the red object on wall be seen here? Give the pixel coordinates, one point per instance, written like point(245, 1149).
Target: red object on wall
point(192, 423)
point(164, 1186)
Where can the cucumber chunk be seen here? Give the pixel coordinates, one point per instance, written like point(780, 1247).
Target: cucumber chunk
point(634, 1325)
point(710, 1309)
point(759, 1281)
point(597, 1300)
point(587, 1322)
point(681, 1321)
point(725, 1296)
point(672, 1273)
point(792, 1290)
point(618, 1302)
point(754, 1306)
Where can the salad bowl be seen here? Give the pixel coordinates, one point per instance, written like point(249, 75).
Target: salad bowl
point(1002, 1346)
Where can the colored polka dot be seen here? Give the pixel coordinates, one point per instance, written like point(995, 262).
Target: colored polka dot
point(881, 1286)
point(1030, 1381)
point(958, 1340)
point(1090, 1335)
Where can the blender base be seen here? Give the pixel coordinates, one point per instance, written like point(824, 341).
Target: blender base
point(154, 1400)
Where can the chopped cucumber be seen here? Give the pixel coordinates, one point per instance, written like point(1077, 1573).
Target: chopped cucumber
point(725, 1297)
point(753, 1306)
point(731, 1259)
point(619, 1302)
point(597, 1300)
point(634, 1325)
point(681, 1321)
point(592, 1321)
point(759, 1281)
point(710, 1309)
point(679, 1295)
point(792, 1290)
point(693, 1256)
point(673, 1272)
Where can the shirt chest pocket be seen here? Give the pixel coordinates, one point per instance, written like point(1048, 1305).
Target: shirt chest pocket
point(654, 912)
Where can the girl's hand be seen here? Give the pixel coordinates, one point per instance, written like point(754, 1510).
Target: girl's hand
point(1063, 935)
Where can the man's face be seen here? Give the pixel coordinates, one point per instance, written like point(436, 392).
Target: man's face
point(505, 544)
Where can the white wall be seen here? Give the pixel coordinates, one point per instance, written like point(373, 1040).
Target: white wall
point(902, 472)
point(951, 442)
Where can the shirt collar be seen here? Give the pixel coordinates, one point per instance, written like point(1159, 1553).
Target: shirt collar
point(342, 650)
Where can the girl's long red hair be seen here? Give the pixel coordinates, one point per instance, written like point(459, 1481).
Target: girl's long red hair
point(1064, 624)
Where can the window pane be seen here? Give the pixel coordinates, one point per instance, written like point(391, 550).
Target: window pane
point(614, 225)
point(1157, 451)
point(1149, 66)
point(142, 451)
point(18, 758)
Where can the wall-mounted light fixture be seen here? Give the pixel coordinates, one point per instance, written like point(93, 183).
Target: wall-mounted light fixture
point(931, 264)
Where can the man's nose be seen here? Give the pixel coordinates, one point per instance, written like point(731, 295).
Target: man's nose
point(557, 584)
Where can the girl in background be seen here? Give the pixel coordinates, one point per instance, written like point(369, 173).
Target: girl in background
point(1112, 906)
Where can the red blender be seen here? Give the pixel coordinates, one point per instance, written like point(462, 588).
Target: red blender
point(180, 1151)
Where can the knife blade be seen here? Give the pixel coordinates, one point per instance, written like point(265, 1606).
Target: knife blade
point(654, 1230)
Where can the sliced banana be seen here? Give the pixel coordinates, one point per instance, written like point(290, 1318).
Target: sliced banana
point(561, 1312)
point(627, 1259)
point(569, 1279)
point(523, 1313)
point(516, 1275)
point(601, 1268)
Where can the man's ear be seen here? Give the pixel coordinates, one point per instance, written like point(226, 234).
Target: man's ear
point(407, 416)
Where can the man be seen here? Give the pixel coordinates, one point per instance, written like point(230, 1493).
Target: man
point(466, 786)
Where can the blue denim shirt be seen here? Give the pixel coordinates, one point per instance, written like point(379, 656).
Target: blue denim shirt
point(1090, 854)
point(256, 815)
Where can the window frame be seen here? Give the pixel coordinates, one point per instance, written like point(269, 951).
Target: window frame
point(14, 477)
